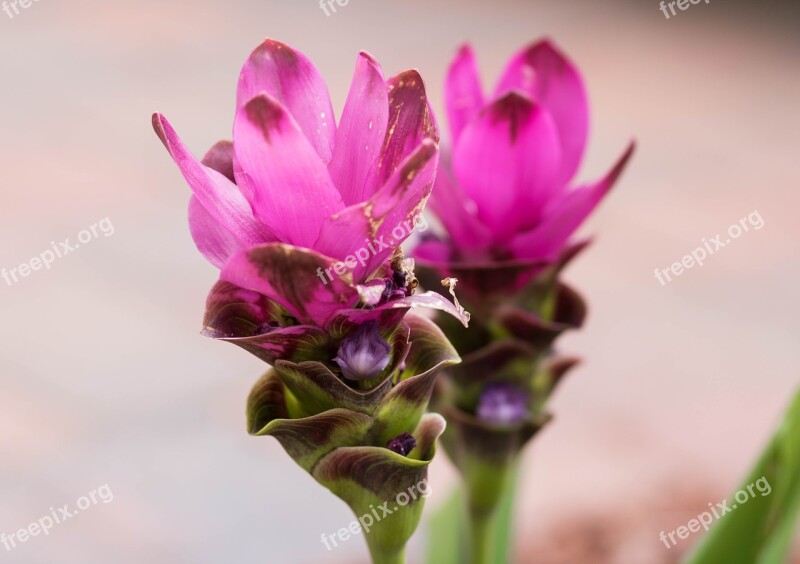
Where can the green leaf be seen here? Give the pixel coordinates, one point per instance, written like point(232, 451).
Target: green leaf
point(760, 530)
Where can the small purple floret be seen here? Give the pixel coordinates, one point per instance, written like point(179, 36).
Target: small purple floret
point(364, 354)
point(402, 444)
point(503, 404)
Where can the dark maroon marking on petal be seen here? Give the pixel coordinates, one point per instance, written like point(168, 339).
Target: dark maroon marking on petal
point(310, 439)
point(232, 311)
point(265, 403)
point(266, 114)
point(514, 109)
point(376, 469)
point(293, 273)
point(306, 380)
point(220, 158)
point(410, 121)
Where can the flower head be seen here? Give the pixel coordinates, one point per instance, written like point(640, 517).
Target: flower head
point(305, 216)
point(505, 199)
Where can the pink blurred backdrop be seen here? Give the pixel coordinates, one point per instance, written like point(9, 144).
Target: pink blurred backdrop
point(105, 380)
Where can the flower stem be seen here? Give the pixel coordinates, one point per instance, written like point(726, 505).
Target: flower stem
point(481, 531)
point(388, 557)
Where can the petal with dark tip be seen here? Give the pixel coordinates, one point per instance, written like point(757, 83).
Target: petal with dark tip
point(565, 214)
point(361, 131)
point(251, 321)
point(294, 277)
point(569, 312)
point(552, 80)
point(377, 227)
point(410, 121)
point(309, 440)
point(463, 92)
point(219, 196)
point(318, 389)
point(291, 78)
point(506, 161)
point(368, 477)
point(280, 173)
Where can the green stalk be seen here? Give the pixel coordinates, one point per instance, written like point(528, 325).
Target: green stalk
point(480, 530)
point(387, 556)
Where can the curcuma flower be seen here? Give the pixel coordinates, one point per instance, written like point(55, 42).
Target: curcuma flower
point(505, 199)
point(509, 211)
point(305, 217)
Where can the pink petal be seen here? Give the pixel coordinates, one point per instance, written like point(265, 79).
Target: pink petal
point(410, 122)
point(565, 214)
point(552, 80)
point(374, 229)
point(459, 214)
point(245, 318)
point(216, 243)
point(280, 172)
point(463, 93)
point(293, 277)
point(293, 80)
point(507, 160)
point(219, 196)
point(361, 131)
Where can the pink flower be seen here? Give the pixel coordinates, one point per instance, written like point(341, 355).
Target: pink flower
point(505, 197)
point(294, 196)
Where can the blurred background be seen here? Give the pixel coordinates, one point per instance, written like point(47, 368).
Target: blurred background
point(104, 379)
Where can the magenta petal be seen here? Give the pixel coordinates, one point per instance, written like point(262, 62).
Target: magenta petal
point(374, 229)
point(565, 214)
point(410, 122)
point(459, 214)
point(361, 131)
point(215, 242)
point(281, 174)
point(245, 318)
point(293, 80)
point(554, 82)
point(463, 93)
point(293, 277)
point(219, 196)
point(507, 161)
